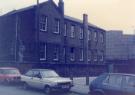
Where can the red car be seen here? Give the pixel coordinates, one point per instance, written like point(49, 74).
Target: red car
point(9, 74)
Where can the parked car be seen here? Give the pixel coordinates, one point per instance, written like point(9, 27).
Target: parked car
point(113, 84)
point(9, 75)
point(46, 79)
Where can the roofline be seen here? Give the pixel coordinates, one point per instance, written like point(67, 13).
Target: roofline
point(81, 22)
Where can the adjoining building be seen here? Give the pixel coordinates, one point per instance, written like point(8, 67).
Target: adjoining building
point(42, 34)
point(120, 47)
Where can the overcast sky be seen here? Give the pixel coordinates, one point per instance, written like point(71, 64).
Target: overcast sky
point(107, 14)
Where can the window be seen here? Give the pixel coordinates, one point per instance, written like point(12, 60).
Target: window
point(81, 33)
point(89, 55)
point(101, 37)
point(72, 31)
point(65, 29)
point(42, 51)
point(56, 53)
point(89, 35)
point(72, 52)
point(101, 57)
point(95, 36)
point(57, 26)
point(113, 80)
point(81, 55)
point(129, 81)
point(95, 57)
point(43, 23)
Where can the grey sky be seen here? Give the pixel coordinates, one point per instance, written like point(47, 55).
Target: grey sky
point(107, 14)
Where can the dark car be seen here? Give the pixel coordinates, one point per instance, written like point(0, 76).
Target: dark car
point(113, 84)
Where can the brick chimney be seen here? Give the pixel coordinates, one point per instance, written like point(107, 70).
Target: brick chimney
point(61, 6)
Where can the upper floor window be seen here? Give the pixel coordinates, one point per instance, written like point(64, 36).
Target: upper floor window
point(72, 31)
point(72, 54)
point(57, 26)
point(43, 23)
point(89, 35)
point(42, 51)
point(81, 55)
point(95, 36)
point(65, 29)
point(56, 53)
point(81, 33)
point(101, 37)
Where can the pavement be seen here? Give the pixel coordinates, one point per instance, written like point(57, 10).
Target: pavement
point(80, 86)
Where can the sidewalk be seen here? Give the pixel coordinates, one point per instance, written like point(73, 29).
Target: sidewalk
point(80, 86)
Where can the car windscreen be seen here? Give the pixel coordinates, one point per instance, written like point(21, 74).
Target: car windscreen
point(49, 74)
point(9, 71)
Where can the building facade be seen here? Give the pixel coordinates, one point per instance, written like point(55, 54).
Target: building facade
point(119, 47)
point(43, 34)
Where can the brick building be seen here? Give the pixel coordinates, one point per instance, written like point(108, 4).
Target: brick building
point(42, 34)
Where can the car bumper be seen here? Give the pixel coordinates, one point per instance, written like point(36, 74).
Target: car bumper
point(62, 87)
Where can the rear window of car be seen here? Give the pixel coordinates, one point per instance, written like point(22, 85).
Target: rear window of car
point(113, 80)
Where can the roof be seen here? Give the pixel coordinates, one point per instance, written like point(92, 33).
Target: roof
point(42, 69)
point(79, 21)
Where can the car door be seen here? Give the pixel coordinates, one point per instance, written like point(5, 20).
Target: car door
point(37, 79)
point(129, 85)
point(112, 85)
point(28, 78)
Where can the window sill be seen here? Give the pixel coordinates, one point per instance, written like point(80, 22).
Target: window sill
point(42, 59)
point(55, 59)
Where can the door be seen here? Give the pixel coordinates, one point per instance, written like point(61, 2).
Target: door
point(37, 80)
point(112, 85)
point(129, 85)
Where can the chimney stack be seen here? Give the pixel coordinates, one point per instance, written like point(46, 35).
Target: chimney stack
point(61, 6)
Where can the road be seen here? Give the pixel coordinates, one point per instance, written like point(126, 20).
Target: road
point(18, 90)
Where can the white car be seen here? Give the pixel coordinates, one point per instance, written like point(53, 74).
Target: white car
point(45, 79)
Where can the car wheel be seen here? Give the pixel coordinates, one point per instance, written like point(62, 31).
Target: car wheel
point(25, 85)
point(47, 90)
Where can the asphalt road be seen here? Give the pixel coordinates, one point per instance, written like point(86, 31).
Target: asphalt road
point(18, 90)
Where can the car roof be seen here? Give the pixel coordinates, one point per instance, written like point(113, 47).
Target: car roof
point(41, 70)
point(8, 68)
point(122, 74)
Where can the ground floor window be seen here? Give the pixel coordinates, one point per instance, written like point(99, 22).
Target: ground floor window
point(42, 51)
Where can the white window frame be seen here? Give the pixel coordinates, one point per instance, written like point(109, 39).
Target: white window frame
point(95, 57)
point(81, 36)
point(65, 29)
point(72, 33)
point(82, 55)
point(102, 37)
point(89, 35)
point(56, 50)
point(102, 57)
point(57, 26)
point(45, 51)
point(95, 36)
point(72, 54)
point(89, 55)
point(43, 23)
